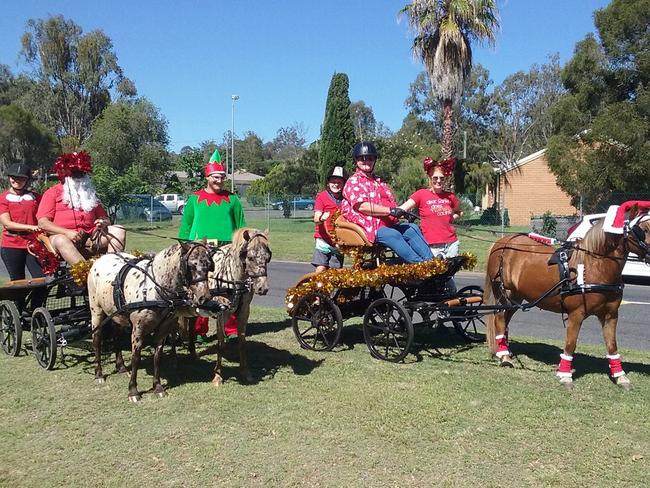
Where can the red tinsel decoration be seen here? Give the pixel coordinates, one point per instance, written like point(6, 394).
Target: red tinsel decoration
point(67, 163)
point(447, 165)
point(49, 262)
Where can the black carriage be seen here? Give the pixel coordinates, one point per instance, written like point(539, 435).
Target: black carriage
point(54, 310)
point(391, 308)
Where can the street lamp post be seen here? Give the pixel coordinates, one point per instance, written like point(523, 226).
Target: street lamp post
point(232, 141)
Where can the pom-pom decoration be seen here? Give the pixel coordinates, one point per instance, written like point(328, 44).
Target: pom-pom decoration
point(48, 261)
point(66, 164)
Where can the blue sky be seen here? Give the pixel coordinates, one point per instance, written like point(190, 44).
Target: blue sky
point(189, 57)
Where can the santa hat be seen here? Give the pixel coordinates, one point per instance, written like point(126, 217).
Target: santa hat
point(617, 215)
point(214, 165)
point(69, 163)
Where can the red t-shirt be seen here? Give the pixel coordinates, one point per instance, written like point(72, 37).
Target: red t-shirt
point(324, 203)
point(436, 215)
point(22, 210)
point(53, 207)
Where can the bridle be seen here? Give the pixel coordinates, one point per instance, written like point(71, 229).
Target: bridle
point(185, 267)
point(634, 232)
point(263, 269)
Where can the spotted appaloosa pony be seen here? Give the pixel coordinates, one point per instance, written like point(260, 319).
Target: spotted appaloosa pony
point(517, 270)
point(244, 262)
point(173, 283)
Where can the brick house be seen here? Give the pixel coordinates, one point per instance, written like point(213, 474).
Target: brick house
point(529, 188)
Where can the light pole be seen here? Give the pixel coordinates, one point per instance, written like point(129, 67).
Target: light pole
point(232, 141)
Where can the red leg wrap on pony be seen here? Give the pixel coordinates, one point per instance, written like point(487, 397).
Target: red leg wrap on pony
point(230, 327)
point(565, 370)
point(201, 326)
point(502, 346)
point(615, 366)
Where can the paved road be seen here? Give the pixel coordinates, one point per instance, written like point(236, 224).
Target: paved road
point(633, 329)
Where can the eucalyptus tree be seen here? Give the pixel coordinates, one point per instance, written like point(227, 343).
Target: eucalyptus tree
point(77, 74)
point(444, 30)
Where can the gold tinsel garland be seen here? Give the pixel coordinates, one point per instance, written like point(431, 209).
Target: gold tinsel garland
point(331, 279)
point(79, 271)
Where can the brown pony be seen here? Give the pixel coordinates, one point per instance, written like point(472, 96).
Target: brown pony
point(518, 271)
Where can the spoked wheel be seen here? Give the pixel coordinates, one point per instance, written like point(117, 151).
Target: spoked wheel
point(317, 322)
point(11, 329)
point(388, 330)
point(43, 338)
point(471, 328)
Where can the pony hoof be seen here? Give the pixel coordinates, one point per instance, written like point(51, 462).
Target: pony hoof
point(161, 394)
point(217, 380)
point(135, 398)
point(624, 382)
point(122, 370)
point(100, 380)
point(567, 383)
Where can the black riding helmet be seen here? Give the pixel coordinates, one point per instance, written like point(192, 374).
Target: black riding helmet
point(364, 149)
point(19, 170)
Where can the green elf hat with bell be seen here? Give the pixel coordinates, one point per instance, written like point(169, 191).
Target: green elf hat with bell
point(214, 166)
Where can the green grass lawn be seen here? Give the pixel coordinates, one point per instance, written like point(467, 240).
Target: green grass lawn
point(447, 417)
point(292, 239)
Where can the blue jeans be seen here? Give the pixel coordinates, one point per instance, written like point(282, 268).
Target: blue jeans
point(406, 240)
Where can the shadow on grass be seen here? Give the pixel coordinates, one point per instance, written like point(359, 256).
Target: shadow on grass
point(427, 342)
point(584, 364)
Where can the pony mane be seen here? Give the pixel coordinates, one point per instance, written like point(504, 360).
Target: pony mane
point(597, 240)
point(238, 239)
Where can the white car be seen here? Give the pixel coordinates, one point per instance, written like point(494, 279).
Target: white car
point(634, 267)
point(174, 202)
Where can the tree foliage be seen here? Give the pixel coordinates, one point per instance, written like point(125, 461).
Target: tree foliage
point(131, 137)
point(76, 75)
point(23, 139)
point(337, 132)
point(601, 143)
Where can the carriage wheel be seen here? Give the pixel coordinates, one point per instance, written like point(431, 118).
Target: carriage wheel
point(388, 330)
point(11, 328)
point(317, 322)
point(471, 329)
point(43, 338)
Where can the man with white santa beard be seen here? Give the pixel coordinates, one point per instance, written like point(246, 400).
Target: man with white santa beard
point(72, 215)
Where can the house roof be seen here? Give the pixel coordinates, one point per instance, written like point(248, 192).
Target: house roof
point(527, 159)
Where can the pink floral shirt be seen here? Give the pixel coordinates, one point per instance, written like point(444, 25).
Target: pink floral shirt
point(360, 188)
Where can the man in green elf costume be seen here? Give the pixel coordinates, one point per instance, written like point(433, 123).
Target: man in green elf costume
point(213, 213)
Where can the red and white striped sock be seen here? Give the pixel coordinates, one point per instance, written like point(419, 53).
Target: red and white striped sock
point(564, 370)
point(615, 365)
point(502, 346)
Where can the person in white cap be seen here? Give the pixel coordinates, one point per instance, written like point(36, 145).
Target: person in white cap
point(327, 202)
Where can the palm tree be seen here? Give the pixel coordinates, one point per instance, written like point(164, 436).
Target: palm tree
point(443, 31)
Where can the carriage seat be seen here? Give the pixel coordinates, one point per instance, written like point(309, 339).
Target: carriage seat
point(349, 234)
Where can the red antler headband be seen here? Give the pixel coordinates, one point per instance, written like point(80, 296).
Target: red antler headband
point(447, 165)
point(66, 164)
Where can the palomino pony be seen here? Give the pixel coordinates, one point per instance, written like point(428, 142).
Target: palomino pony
point(149, 295)
point(240, 269)
point(518, 270)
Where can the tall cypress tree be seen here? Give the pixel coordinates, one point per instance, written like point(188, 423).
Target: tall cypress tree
point(337, 132)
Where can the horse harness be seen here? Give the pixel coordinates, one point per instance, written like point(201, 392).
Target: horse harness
point(169, 303)
point(571, 282)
